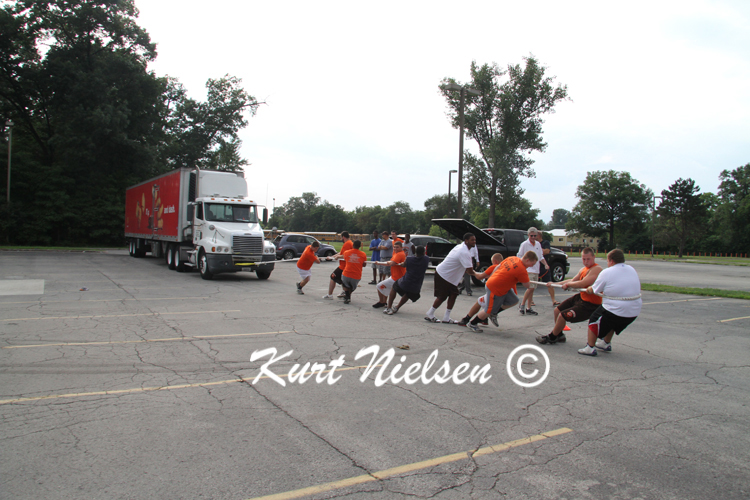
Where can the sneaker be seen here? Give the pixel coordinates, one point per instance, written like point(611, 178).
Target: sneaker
point(604, 346)
point(378, 305)
point(346, 300)
point(464, 321)
point(532, 312)
point(468, 293)
point(522, 311)
point(544, 339)
point(328, 297)
point(387, 311)
point(341, 295)
point(475, 328)
point(485, 322)
point(392, 310)
point(588, 351)
point(431, 319)
point(373, 282)
point(299, 291)
point(561, 338)
point(493, 318)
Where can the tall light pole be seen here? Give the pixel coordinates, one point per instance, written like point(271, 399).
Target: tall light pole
point(653, 223)
point(450, 172)
point(464, 90)
point(9, 124)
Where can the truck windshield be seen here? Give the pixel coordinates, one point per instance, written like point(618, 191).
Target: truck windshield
point(221, 212)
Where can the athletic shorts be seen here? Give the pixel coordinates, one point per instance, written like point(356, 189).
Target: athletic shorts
point(532, 277)
point(413, 296)
point(494, 303)
point(385, 286)
point(574, 309)
point(602, 322)
point(545, 276)
point(304, 274)
point(351, 283)
point(443, 289)
point(336, 275)
point(384, 270)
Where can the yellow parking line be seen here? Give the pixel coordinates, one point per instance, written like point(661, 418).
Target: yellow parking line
point(97, 300)
point(733, 319)
point(197, 337)
point(403, 469)
point(121, 315)
point(161, 388)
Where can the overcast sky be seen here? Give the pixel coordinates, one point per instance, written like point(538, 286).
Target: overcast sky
point(658, 89)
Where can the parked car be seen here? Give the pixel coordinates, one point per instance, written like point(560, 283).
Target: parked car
point(291, 246)
point(490, 242)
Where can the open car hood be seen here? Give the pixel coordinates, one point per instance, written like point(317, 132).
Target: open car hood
point(459, 227)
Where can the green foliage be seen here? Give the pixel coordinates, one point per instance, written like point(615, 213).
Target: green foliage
point(559, 218)
point(733, 214)
point(682, 213)
point(91, 120)
point(609, 203)
point(506, 122)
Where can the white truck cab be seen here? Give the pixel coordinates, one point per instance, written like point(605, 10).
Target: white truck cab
point(227, 234)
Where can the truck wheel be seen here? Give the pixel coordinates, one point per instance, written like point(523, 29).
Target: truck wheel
point(263, 275)
point(203, 266)
point(170, 256)
point(179, 266)
point(329, 253)
point(131, 248)
point(138, 251)
point(288, 255)
point(558, 272)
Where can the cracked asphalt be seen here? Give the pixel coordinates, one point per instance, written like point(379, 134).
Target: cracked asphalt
point(142, 387)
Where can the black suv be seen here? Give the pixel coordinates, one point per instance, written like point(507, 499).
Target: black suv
point(290, 246)
point(492, 241)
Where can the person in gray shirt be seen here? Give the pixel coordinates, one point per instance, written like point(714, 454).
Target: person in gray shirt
point(386, 252)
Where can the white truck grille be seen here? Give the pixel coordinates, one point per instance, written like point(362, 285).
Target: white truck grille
point(247, 245)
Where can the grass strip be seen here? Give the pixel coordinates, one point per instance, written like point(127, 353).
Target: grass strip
point(706, 292)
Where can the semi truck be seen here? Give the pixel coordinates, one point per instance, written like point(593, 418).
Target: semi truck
point(198, 219)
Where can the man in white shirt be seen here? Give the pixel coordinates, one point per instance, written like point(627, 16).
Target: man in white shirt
point(448, 275)
point(531, 244)
point(619, 281)
point(467, 278)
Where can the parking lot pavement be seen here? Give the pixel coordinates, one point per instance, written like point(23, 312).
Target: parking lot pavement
point(122, 379)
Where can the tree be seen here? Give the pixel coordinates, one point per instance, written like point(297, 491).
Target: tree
point(506, 122)
point(205, 134)
point(91, 120)
point(559, 218)
point(609, 202)
point(682, 213)
point(734, 210)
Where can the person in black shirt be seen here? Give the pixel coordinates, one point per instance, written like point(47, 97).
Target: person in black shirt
point(410, 286)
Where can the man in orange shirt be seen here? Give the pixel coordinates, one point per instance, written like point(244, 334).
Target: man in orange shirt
point(580, 306)
point(336, 275)
point(354, 259)
point(479, 304)
point(500, 294)
point(397, 272)
point(304, 264)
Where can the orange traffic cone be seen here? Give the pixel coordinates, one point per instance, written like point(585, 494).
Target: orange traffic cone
point(566, 329)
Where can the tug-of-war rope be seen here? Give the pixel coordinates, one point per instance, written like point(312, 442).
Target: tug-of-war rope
point(540, 283)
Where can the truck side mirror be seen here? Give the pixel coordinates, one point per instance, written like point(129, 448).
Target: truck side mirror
point(265, 216)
